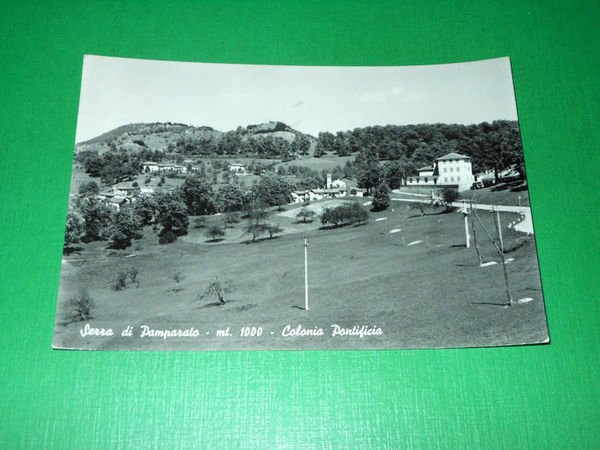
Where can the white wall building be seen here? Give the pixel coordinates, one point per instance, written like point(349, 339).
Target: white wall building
point(154, 167)
point(333, 189)
point(451, 170)
point(237, 168)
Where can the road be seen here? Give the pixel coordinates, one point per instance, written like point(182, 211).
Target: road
point(525, 225)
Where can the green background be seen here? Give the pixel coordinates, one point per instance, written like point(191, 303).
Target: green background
point(529, 397)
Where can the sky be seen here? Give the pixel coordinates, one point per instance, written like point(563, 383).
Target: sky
point(119, 91)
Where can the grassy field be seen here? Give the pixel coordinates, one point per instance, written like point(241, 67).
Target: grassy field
point(327, 162)
point(502, 194)
point(426, 294)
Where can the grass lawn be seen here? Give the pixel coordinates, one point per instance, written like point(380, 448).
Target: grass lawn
point(501, 194)
point(431, 293)
point(327, 162)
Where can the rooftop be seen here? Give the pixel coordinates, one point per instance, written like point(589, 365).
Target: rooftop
point(452, 155)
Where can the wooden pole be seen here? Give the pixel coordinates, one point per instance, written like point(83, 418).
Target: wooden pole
point(508, 294)
point(499, 228)
point(475, 236)
point(467, 239)
point(306, 274)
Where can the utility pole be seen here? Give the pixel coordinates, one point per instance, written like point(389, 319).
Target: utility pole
point(465, 213)
point(305, 274)
point(499, 229)
point(501, 253)
point(475, 235)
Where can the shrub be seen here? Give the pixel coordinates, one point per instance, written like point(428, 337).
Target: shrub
point(217, 288)
point(120, 281)
point(214, 232)
point(349, 213)
point(81, 307)
point(200, 222)
point(232, 218)
point(381, 198)
point(167, 237)
point(178, 276)
point(449, 195)
point(133, 276)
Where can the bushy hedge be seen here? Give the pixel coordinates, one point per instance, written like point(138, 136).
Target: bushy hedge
point(347, 214)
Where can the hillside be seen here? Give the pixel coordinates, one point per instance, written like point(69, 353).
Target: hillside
point(188, 139)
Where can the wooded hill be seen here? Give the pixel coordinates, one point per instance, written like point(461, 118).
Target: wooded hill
point(495, 145)
point(271, 140)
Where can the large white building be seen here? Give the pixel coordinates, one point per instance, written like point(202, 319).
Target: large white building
point(451, 170)
point(151, 167)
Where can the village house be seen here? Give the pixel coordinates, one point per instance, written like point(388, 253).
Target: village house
point(113, 200)
point(238, 169)
point(333, 189)
point(125, 189)
point(117, 202)
point(154, 167)
point(451, 170)
point(146, 190)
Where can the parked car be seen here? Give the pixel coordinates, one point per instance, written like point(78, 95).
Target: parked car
point(477, 185)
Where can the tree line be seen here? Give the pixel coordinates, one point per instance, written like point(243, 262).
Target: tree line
point(495, 145)
point(91, 219)
point(236, 143)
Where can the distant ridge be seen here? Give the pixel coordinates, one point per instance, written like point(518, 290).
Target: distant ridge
point(137, 128)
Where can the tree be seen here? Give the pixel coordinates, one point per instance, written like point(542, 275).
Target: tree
point(89, 188)
point(394, 174)
point(308, 183)
point(74, 230)
point(257, 225)
point(367, 169)
point(197, 195)
point(172, 214)
point(381, 198)
point(340, 145)
point(255, 230)
point(272, 190)
point(305, 214)
point(230, 198)
point(357, 213)
point(214, 232)
point(146, 209)
point(93, 164)
point(97, 219)
point(300, 145)
point(218, 288)
point(325, 144)
point(126, 227)
point(273, 229)
point(331, 216)
point(347, 214)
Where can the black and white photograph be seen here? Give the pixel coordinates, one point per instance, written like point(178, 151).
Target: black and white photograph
point(254, 207)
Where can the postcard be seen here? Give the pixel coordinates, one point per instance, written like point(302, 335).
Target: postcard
point(249, 207)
